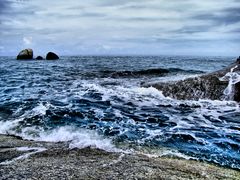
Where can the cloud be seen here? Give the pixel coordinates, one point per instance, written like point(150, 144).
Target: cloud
point(27, 41)
point(225, 17)
point(109, 26)
point(3, 5)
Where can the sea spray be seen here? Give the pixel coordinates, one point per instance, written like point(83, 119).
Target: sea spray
point(232, 78)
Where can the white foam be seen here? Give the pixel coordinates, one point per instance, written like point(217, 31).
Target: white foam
point(40, 109)
point(233, 78)
point(173, 78)
point(175, 153)
point(6, 127)
point(138, 95)
point(33, 150)
point(150, 96)
point(78, 138)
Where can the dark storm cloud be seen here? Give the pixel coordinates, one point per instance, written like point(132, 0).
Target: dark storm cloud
point(7, 11)
point(4, 6)
point(224, 17)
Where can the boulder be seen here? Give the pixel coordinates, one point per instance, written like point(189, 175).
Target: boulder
point(209, 86)
point(25, 54)
point(39, 58)
point(52, 56)
point(238, 59)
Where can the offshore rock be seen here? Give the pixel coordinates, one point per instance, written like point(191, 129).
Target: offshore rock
point(25, 54)
point(52, 56)
point(208, 86)
point(39, 58)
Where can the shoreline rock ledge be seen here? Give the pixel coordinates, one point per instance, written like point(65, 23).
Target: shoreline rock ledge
point(215, 86)
point(25, 54)
point(49, 160)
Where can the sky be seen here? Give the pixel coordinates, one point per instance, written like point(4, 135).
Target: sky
point(121, 27)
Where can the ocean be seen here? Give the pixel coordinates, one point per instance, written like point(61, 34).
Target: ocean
point(98, 101)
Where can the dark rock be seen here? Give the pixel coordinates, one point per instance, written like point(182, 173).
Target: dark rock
point(25, 54)
point(52, 56)
point(238, 60)
point(39, 58)
point(208, 86)
point(237, 92)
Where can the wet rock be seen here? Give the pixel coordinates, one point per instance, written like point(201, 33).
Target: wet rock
point(39, 58)
point(237, 92)
point(208, 86)
point(60, 162)
point(52, 56)
point(25, 54)
point(238, 60)
point(7, 154)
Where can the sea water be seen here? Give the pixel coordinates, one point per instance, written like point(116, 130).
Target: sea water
point(99, 102)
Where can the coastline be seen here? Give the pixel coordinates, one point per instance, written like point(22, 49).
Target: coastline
point(23, 159)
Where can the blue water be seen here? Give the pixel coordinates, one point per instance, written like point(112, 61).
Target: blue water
point(59, 100)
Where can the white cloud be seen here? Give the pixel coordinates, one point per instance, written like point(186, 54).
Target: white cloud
point(27, 41)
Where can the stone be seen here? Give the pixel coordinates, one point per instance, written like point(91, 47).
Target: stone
point(208, 86)
point(25, 54)
point(238, 60)
point(60, 162)
point(39, 58)
point(52, 56)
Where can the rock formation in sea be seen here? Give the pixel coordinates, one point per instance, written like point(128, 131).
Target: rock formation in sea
point(39, 58)
point(219, 85)
point(52, 56)
point(25, 54)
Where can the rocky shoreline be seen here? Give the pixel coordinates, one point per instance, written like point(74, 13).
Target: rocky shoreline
point(23, 159)
point(207, 86)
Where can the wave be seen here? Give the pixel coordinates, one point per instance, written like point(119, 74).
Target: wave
point(147, 72)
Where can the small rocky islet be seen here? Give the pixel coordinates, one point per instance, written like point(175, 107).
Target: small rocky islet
point(27, 54)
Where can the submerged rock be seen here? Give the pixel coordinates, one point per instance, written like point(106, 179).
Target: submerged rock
point(210, 86)
point(39, 58)
point(52, 56)
point(25, 54)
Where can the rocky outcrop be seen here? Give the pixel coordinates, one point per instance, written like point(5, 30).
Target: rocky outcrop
point(39, 58)
point(238, 60)
point(25, 54)
point(52, 56)
point(210, 86)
